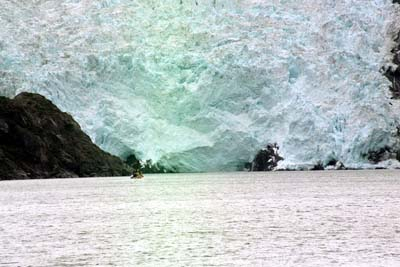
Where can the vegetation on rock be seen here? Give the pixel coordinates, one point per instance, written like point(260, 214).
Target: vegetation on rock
point(37, 140)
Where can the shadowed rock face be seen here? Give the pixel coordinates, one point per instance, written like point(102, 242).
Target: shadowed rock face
point(393, 73)
point(37, 140)
point(266, 159)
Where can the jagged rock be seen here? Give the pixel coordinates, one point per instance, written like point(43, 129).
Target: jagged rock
point(379, 155)
point(339, 166)
point(133, 162)
point(318, 167)
point(3, 127)
point(266, 159)
point(393, 72)
point(335, 164)
point(37, 140)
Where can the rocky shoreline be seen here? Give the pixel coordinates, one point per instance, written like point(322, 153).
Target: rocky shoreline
point(37, 140)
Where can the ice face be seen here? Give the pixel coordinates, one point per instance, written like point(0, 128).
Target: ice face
point(202, 85)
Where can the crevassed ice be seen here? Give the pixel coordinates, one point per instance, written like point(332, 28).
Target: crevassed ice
point(202, 85)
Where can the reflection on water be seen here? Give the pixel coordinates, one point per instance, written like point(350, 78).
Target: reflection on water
point(241, 219)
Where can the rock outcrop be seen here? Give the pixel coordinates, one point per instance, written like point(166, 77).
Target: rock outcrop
point(266, 159)
point(37, 140)
point(393, 73)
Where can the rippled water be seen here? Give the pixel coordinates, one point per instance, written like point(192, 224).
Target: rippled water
point(337, 218)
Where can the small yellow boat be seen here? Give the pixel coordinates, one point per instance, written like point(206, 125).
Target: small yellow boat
point(137, 174)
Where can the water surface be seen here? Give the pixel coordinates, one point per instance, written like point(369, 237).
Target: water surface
point(341, 218)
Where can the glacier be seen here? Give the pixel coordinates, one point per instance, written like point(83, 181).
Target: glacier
point(202, 85)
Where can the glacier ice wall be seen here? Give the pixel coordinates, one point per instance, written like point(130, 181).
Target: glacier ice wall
point(202, 85)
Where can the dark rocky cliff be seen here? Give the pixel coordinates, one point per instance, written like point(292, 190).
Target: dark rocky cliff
point(393, 73)
point(37, 140)
point(266, 159)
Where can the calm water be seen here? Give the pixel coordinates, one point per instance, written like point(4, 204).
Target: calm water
point(338, 218)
